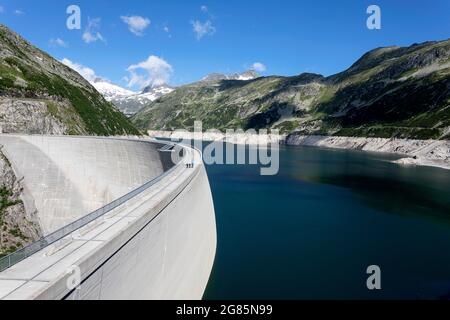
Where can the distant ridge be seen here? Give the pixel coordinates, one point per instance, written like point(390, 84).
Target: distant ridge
point(389, 92)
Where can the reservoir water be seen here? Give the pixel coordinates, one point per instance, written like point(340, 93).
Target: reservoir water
point(312, 230)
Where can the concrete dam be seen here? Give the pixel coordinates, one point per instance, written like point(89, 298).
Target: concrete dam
point(119, 220)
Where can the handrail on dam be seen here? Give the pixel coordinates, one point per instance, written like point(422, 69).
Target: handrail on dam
point(21, 254)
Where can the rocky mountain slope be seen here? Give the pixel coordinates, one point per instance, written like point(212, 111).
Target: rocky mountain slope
point(127, 101)
point(38, 94)
point(388, 92)
point(17, 227)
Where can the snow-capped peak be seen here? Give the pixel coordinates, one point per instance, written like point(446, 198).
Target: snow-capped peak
point(247, 75)
point(244, 76)
point(154, 92)
point(129, 102)
point(110, 90)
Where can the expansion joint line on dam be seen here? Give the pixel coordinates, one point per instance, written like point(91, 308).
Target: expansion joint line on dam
point(16, 257)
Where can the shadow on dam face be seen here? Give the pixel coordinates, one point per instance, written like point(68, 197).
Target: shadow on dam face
point(165, 156)
point(67, 178)
point(159, 244)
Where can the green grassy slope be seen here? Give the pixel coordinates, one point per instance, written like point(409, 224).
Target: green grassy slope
point(389, 92)
point(27, 73)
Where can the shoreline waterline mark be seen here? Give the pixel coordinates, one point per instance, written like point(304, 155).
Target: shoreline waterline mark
point(234, 147)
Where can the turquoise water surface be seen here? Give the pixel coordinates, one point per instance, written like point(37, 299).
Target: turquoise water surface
point(311, 231)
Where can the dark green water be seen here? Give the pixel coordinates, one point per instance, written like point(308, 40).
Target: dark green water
point(311, 231)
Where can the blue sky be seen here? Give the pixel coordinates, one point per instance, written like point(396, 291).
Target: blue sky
point(287, 37)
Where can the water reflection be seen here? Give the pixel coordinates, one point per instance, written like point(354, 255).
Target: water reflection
point(405, 190)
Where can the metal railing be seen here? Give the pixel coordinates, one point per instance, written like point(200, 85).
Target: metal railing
point(21, 254)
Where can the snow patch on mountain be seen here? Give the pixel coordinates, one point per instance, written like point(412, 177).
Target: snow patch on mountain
point(127, 101)
point(130, 102)
point(111, 91)
point(244, 76)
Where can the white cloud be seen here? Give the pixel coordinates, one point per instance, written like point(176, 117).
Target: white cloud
point(204, 8)
point(203, 29)
point(154, 71)
point(167, 30)
point(19, 12)
point(58, 42)
point(258, 66)
point(85, 72)
point(91, 33)
point(136, 24)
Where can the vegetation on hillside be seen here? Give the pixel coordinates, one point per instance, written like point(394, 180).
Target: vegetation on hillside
point(28, 73)
point(389, 92)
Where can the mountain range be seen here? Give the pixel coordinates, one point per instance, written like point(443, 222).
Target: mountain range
point(389, 92)
point(130, 102)
point(127, 101)
point(39, 94)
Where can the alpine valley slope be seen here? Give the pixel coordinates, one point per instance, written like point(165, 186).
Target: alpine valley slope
point(39, 94)
point(401, 92)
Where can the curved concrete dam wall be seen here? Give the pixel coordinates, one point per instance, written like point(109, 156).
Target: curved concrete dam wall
point(68, 177)
point(158, 245)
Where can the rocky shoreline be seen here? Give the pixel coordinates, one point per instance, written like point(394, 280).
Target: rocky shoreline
point(237, 138)
point(435, 153)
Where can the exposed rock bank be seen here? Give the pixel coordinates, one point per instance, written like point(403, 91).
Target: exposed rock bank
point(237, 138)
point(417, 152)
point(34, 117)
point(434, 153)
